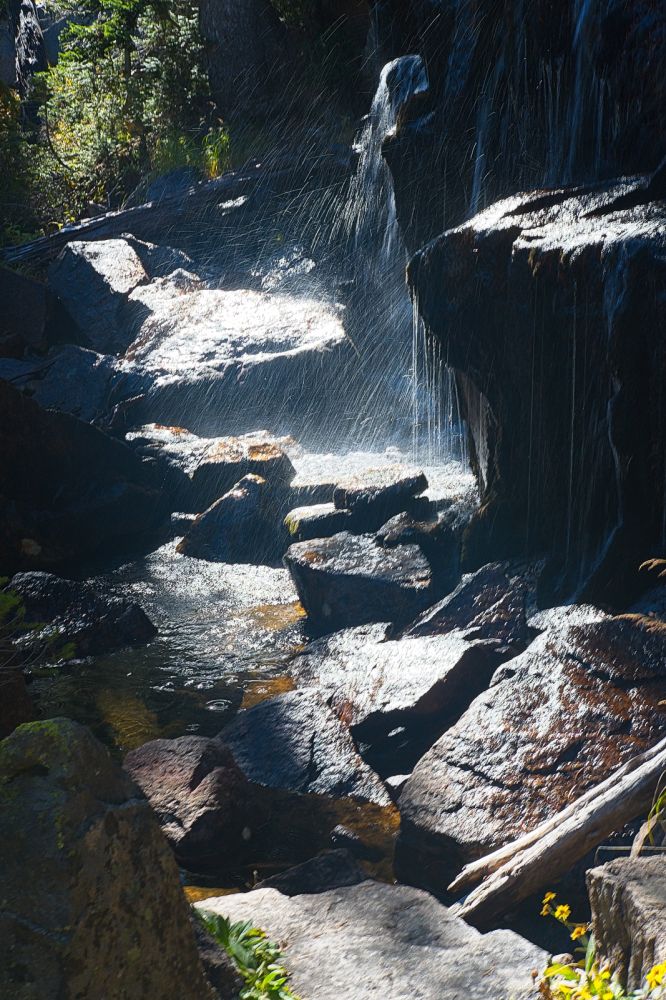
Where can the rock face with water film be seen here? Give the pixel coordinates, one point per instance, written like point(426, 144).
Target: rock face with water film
point(556, 720)
point(390, 938)
point(67, 490)
point(350, 580)
point(549, 306)
point(105, 914)
point(93, 281)
point(72, 619)
point(273, 784)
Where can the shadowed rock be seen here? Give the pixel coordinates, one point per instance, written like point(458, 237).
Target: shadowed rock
point(375, 495)
point(556, 720)
point(350, 580)
point(16, 705)
point(105, 914)
point(317, 521)
point(374, 937)
point(329, 870)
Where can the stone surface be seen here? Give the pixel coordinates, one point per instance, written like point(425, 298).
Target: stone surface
point(328, 870)
point(271, 786)
point(556, 720)
point(73, 618)
point(67, 490)
point(93, 281)
point(350, 580)
point(391, 941)
point(628, 901)
point(220, 970)
point(398, 696)
point(105, 914)
point(26, 306)
point(231, 361)
point(317, 521)
point(243, 526)
point(380, 492)
point(16, 705)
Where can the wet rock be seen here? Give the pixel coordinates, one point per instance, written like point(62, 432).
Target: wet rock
point(318, 521)
point(15, 703)
point(26, 306)
point(556, 720)
point(435, 535)
point(350, 580)
point(391, 935)
point(329, 870)
point(627, 900)
point(492, 603)
point(272, 785)
point(105, 914)
point(375, 495)
point(344, 839)
point(512, 297)
point(67, 490)
point(243, 526)
point(93, 281)
point(219, 968)
point(230, 361)
point(159, 261)
point(398, 696)
point(567, 614)
point(70, 617)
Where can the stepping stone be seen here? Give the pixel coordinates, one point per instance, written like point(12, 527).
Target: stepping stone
point(390, 941)
point(318, 521)
point(377, 494)
point(350, 580)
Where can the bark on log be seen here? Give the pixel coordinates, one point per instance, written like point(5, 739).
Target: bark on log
point(542, 856)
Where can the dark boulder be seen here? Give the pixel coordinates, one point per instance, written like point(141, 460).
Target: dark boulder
point(16, 705)
point(375, 495)
point(350, 580)
point(105, 914)
point(328, 870)
point(548, 307)
point(65, 617)
point(555, 721)
point(26, 307)
point(67, 490)
point(319, 520)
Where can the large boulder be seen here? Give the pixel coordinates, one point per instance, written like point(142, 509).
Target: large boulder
point(225, 362)
point(60, 617)
point(67, 490)
point(104, 914)
point(16, 705)
point(26, 306)
point(555, 721)
point(93, 281)
point(351, 580)
point(540, 306)
point(273, 784)
point(390, 940)
point(627, 899)
point(375, 495)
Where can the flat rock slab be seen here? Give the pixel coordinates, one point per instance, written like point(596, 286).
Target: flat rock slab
point(556, 720)
point(317, 521)
point(628, 901)
point(350, 580)
point(379, 493)
point(374, 940)
point(223, 360)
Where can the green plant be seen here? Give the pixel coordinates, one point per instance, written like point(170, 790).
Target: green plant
point(255, 957)
point(588, 979)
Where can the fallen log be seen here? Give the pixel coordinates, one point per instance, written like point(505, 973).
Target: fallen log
point(545, 854)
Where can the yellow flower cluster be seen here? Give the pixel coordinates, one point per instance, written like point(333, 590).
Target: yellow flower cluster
point(656, 975)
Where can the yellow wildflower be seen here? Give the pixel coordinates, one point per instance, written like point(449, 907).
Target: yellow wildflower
point(547, 898)
point(546, 911)
point(578, 932)
point(584, 994)
point(562, 912)
point(655, 976)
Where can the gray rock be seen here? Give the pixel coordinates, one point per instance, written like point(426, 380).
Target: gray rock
point(159, 261)
point(26, 305)
point(392, 941)
point(350, 580)
point(93, 281)
point(628, 901)
point(318, 521)
point(73, 615)
point(568, 614)
point(377, 494)
point(556, 720)
point(329, 870)
point(105, 914)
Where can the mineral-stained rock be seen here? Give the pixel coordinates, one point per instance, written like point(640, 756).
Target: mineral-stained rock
point(395, 941)
point(93, 281)
point(225, 362)
point(318, 521)
point(556, 720)
point(272, 785)
point(350, 580)
point(67, 489)
point(627, 897)
point(398, 696)
point(243, 526)
point(66, 613)
point(328, 870)
point(104, 914)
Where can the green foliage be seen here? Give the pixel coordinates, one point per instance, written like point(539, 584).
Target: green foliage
point(294, 12)
point(255, 957)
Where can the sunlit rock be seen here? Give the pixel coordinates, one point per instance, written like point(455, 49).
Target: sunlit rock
point(379, 493)
point(350, 580)
point(105, 914)
point(556, 720)
point(317, 521)
point(374, 939)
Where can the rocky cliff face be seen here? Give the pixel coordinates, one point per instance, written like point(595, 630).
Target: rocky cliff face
point(549, 307)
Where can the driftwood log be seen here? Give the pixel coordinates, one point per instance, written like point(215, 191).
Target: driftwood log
point(537, 859)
